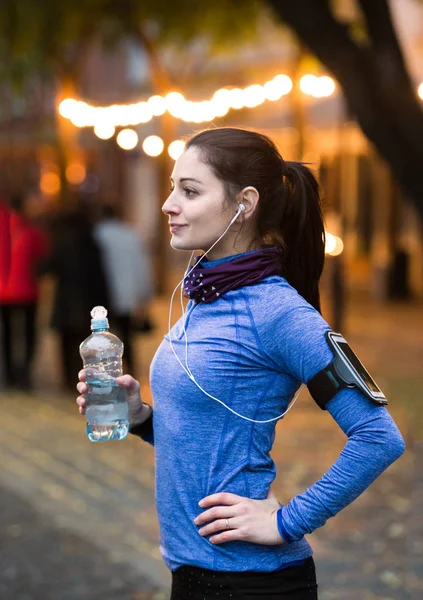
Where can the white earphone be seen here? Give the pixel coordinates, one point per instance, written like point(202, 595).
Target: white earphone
point(241, 209)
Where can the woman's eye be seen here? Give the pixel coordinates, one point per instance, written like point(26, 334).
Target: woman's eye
point(189, 192)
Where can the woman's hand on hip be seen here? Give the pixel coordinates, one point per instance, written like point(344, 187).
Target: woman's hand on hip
point(229, 517)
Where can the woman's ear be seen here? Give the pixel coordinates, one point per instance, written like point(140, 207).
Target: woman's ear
point(249, 197)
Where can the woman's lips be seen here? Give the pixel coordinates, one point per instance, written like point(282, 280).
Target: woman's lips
point(174, 228)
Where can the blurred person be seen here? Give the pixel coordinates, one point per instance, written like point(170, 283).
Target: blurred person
point(233, 365)
point(80, 284)
point(5, 242)
point(19, 292)
point(128, 274)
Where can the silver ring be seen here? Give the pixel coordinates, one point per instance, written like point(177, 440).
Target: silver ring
point(227, 523)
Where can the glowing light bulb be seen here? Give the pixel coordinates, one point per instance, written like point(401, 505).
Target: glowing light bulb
point(237, 98)
point(175, 103)
point(319, 87)
point(127, 139)
point(75, 173)
point(104, 131)
point(221, 102)
point(67, 107)
point(307, 84)
point(276, 88)
point(176, 148)
point(50, 183)
point(334, 245)
point(153, 145)
point(157, 105)
point(254, 95)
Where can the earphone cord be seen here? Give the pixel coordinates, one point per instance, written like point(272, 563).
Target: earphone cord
point(186, 367)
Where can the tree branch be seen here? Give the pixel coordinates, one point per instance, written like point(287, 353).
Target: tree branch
point(384, 41)
point(386, 108)
point(314, 23)
point(160, 77)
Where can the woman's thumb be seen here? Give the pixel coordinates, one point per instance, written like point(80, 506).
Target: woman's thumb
point(128, 382)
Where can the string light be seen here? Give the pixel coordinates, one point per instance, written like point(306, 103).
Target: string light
point(319, 87)
point(153, 145)
point(104, 131)
point(334, 245)
point(104, 118)
point(175, 149)
point(127, 139)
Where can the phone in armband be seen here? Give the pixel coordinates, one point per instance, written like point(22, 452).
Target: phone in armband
point(351, 371)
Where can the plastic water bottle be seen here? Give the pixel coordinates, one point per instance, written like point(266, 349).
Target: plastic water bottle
point(106, 406)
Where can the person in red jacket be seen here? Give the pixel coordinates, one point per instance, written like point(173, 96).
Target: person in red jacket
point(19, 294)
point(4, 243)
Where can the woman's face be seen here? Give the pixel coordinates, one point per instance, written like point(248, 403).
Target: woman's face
point(198, 210)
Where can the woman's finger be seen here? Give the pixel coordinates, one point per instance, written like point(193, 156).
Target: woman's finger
point(225, 498)
point(229, 535)
point(218, 526)
point(81, 404)
point(81, 387)
point(217, 512)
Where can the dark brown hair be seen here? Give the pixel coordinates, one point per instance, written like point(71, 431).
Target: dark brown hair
point(289, 213)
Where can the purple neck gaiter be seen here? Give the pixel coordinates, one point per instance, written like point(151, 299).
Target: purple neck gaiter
point(207, 284)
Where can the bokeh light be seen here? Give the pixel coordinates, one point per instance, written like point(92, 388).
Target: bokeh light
point(153, 145)
point(75, 173)
point(50, 183)
point(104, 131)
point(176, 148)
point(334, 245)
point(127, 139)
point(319, 87)
point(67, 107)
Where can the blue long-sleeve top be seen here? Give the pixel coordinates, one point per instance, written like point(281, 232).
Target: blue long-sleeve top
point(251, 349)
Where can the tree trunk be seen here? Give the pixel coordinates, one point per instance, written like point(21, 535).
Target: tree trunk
point(374, 80)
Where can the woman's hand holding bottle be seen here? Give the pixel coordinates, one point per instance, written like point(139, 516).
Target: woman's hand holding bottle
point(138, 411)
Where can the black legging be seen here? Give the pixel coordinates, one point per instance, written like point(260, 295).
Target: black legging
point(70, 358)
point(18, 328)
point(292, 583)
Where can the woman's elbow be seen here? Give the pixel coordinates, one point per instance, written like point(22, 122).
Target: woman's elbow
point(393, 446)
point(398, 446)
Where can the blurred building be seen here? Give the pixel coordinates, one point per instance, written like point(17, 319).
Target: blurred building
point(45, 152)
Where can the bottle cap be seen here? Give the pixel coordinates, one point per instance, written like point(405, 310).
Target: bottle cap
point(99, 318)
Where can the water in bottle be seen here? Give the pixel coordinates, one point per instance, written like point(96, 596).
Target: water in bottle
point(106, 406)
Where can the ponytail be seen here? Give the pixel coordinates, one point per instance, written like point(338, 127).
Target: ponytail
point(302, 233)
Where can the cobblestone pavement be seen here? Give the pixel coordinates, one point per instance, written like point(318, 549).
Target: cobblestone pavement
point(77, 520)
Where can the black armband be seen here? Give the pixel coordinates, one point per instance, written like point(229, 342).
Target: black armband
point(344, 371)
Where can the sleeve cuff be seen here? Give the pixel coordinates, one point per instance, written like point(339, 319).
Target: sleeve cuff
point(144, 430)
point(281, 528)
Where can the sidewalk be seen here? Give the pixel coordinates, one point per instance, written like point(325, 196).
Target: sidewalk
point(77, 520)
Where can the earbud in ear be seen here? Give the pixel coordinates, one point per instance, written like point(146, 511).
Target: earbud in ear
point(241, 208)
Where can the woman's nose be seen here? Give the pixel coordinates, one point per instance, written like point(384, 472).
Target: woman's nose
point(170, 206)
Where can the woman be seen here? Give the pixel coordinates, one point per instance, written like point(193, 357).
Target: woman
point(231, 365)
